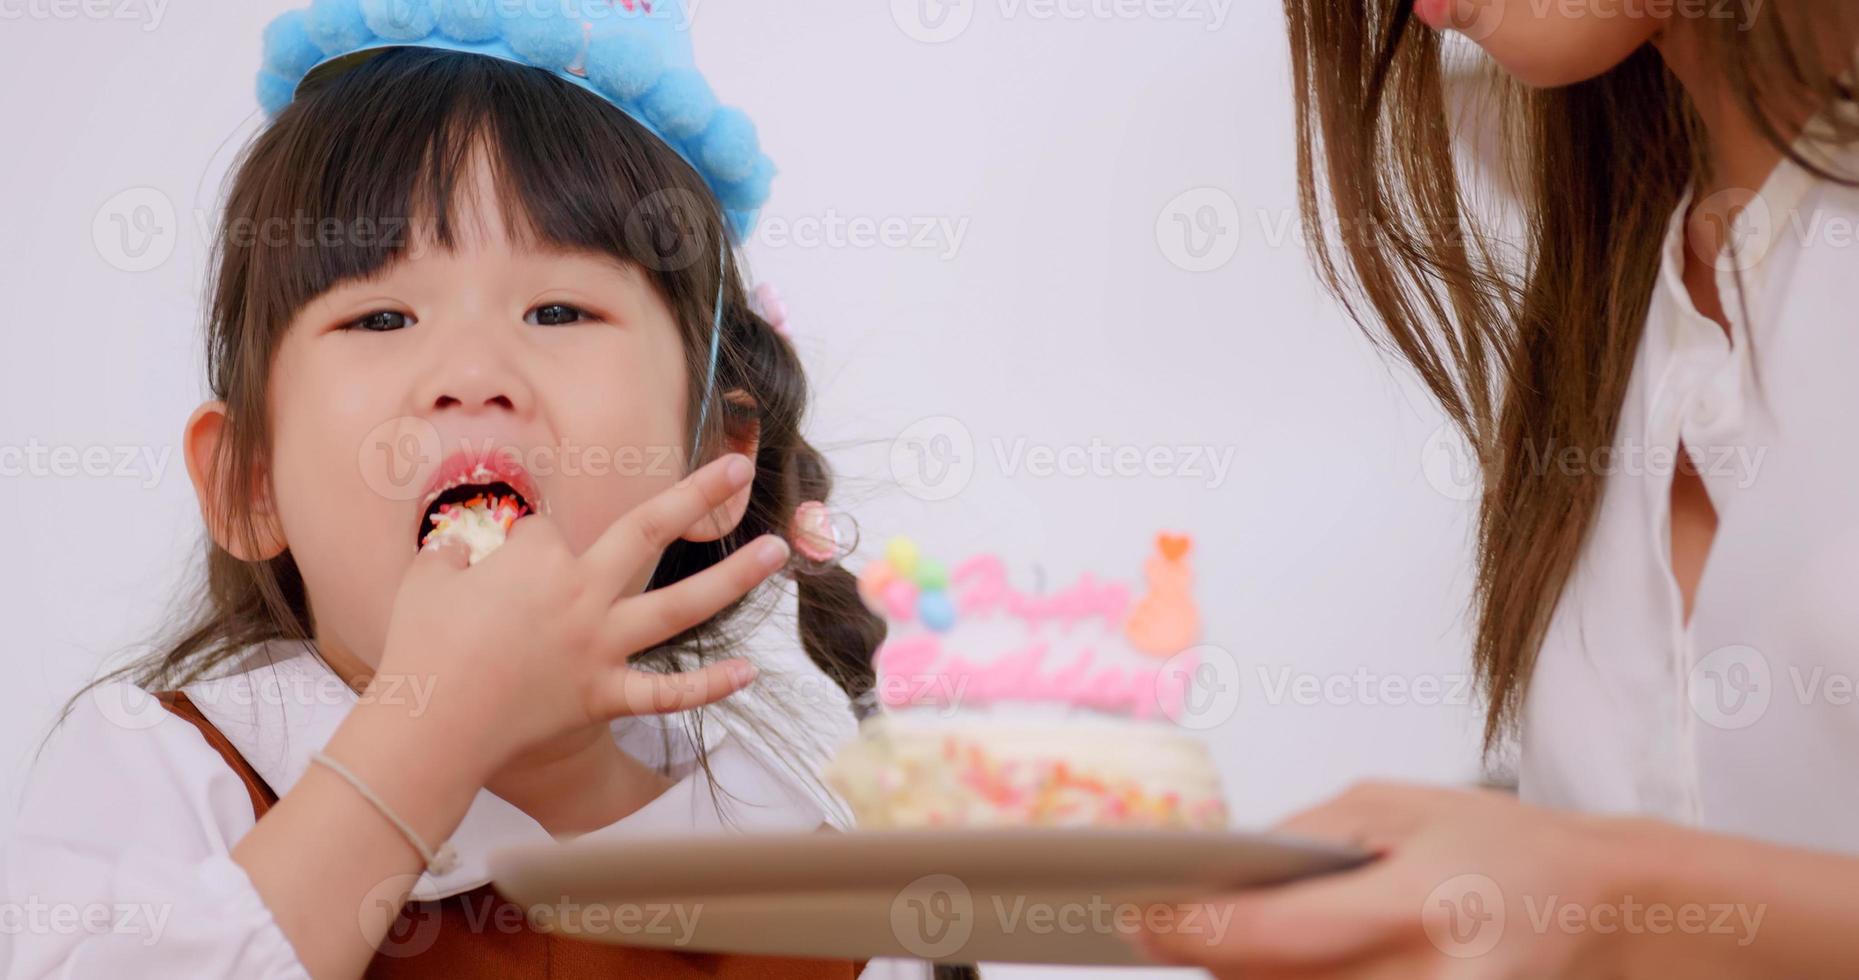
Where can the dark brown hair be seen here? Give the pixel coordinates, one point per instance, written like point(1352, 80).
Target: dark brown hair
point(389, 139)
point(1526, 345)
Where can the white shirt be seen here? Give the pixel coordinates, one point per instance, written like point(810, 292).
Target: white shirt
point(120, 862)
point(1745, 720)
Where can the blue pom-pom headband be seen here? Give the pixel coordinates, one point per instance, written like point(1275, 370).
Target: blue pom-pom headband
point(636, 54)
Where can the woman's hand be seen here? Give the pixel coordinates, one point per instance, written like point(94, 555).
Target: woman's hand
point(1475, 884)
point(533, 641)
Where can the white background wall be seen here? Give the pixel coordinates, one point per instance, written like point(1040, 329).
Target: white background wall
point(1056, 138)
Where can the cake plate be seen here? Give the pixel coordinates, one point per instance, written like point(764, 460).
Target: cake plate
point(1033, 895)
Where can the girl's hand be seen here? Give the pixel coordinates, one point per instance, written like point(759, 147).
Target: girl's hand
point(533, 641)
point(1468, 884)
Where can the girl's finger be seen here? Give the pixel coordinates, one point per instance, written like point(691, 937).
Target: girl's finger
point(627, 692)
point(642, 534)
point(441, 557)
point(645, 621)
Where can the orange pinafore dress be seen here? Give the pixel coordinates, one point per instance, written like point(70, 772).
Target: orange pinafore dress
point(461, 947)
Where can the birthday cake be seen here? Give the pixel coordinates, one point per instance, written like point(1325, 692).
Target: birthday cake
point(1000, 707)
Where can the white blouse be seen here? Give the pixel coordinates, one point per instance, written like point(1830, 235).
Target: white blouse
point(120, 860)
point(1746, 719)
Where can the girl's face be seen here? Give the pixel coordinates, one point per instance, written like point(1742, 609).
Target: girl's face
point(569, 363)
point(1550, 43)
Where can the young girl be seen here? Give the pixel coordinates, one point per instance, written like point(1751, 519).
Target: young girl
point(481, 252)
point(1675, 642)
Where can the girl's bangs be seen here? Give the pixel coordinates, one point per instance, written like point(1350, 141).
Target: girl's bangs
point(375, 163)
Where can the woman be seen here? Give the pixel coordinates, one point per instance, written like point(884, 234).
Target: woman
point(1654, 372)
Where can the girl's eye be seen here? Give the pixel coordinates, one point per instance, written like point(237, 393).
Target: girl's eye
point(555, 315)
point(382, 321)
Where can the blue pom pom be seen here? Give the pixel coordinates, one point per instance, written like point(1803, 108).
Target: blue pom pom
point(936, 611)
point(400, 20)
point(288, 49)
point(741, 223)
point(729, 147)
point(625, 65)
point(275, 92)
point(337, 26)
point(471, 21)
point(752, 191)
point(680, 105)
point(542, 35)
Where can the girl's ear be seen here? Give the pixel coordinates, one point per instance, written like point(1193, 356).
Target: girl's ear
point(743, 435)
point(201, 441)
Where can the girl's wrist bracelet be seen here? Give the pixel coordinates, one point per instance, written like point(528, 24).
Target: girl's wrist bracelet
point(438, 862)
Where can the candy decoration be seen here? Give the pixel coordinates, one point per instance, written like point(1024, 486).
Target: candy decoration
point(1166, 621)
point(902, 554)
point(931, 574)
point(871, 583)
point(900, 599)
point(936, 611)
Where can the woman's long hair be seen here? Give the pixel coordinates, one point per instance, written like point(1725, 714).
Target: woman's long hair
point(1527, 345)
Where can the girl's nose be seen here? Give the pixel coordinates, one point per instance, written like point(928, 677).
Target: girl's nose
point(476, 375)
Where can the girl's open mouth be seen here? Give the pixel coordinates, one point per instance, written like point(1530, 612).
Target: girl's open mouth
point(476, 503)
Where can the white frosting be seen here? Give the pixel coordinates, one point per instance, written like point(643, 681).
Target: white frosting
point(476, 528)
point(919, 770)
